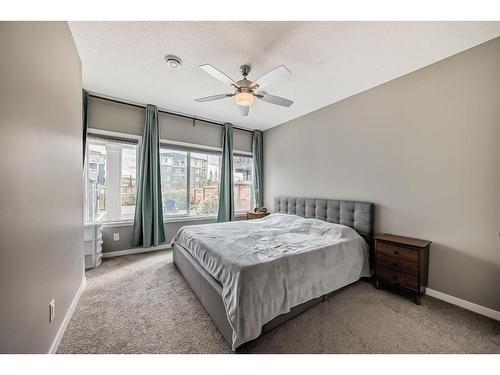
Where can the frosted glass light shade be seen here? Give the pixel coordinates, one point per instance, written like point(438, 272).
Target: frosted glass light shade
point(244, 99)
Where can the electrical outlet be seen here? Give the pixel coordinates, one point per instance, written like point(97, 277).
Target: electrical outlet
point(116, 236)
point(52, 310)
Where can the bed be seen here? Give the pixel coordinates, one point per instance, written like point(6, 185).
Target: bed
point(252, 276)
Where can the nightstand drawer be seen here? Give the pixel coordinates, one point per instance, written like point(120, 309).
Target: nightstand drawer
point(396, 278)
point(397, 264)
point(397, 252)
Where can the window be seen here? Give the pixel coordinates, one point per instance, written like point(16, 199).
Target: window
point(198, 189)
point(128, 181)
point(111, 179)
point(189, 179)
point(173, 167)
point(242, 172)
point(204, 184)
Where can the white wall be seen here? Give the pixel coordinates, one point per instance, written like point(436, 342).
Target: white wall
point(425, 148)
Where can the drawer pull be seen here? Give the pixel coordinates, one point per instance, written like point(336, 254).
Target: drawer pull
point(396, 252)
point(395, 264)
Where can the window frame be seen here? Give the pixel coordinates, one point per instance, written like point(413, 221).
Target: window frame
point(187, 167)
point(107, 135)
point(188, 148)
point(196, 148)
point(113, 135)
point(250, 156)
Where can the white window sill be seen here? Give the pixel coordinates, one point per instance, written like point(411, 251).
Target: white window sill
point(169, 219)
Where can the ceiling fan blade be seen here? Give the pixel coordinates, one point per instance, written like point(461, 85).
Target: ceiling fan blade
point(273, 99)
point(213, 97)
point(274, 75)
point(244, 110)
point(217, 74)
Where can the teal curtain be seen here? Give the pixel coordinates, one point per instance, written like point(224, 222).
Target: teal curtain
point(85, 121)
point(258, 181)
point(226, 184)
point(148, 221)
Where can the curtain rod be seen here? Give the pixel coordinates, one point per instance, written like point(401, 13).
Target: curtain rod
point(166, 112)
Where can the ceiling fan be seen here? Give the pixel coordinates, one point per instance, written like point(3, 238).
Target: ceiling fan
point(244, 90)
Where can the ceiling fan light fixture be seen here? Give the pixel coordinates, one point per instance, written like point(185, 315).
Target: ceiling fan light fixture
point(243, 90)
point(244, 99)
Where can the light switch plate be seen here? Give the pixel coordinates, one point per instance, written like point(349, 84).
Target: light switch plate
point(116, 236)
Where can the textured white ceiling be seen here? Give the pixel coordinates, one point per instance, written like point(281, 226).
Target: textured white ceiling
point(329, 60)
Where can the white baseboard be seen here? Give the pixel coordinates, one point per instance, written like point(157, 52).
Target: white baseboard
point(67, 318)
point(490, 313)
point(135, 251)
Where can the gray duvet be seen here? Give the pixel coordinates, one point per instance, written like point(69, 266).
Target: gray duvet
point(270, 265)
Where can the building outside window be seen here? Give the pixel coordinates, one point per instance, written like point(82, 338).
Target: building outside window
point(204, 184)
point(189, 180)
point(242, 172)
point(198, 189)
point(173, 166)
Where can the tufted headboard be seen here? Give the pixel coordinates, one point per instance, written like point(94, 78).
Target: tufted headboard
point(357, 215)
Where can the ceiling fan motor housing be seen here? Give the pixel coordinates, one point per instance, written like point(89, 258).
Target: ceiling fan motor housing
point(245, 69)
point(244, 86)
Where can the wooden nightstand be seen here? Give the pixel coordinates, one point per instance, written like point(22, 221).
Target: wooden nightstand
point(402, 262)
point(256, 215)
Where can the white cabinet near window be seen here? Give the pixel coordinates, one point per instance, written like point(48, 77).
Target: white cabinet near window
point(92, 244)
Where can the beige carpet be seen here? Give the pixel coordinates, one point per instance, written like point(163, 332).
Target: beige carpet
point(141, 304)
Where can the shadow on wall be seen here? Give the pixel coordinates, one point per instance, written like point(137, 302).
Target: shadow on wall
point(475, 274)
point(386, 216)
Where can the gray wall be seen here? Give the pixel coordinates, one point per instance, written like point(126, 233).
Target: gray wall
point(425, 148)
point(41, 218)
point(106, 115)
point(125, 232)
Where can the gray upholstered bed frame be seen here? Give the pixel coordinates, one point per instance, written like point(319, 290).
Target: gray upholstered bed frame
point(358, 215)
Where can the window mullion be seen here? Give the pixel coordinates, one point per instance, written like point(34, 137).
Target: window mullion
point(111, 161)
point(188, 183)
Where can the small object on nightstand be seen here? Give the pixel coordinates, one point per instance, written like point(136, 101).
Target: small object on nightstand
point(260, 209)
point(256, 215)
point(402, 262)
